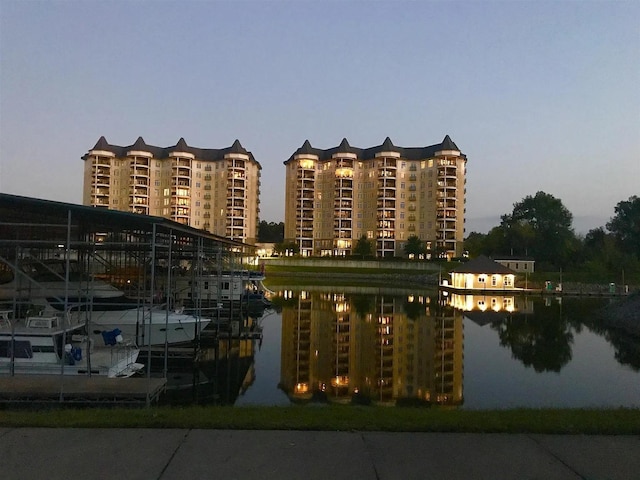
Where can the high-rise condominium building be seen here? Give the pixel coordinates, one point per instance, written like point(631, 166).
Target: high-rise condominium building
point(216, 190)
point(385, 193)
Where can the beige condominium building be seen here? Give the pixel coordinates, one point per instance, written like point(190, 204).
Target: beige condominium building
point(385, 193)
point(217, 190)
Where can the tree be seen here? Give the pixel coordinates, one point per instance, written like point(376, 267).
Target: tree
point(363, 247)
point(414, 246)
point(475, 244)
point(270, 232)
point(540, 226)
point(625, 225)
point(286, 248)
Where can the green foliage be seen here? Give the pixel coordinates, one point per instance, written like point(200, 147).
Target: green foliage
point(414, 246)
point(540, 226)
point(337, 418)
point(475, 243)
point(625, 225)
point(286, 248)
point(363, 248)
point(270, 232)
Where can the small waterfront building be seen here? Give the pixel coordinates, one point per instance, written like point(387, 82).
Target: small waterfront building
point(516, 263)
point(482, 273)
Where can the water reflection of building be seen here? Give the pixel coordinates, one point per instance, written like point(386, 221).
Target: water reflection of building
point(221, 370)
point(487, 308)
point(371, 348)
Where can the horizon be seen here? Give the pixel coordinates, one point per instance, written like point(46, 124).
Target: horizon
point(540, 96)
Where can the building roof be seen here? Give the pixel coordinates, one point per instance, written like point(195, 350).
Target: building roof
point(519, 258)
point(204, 154)
point(482, 264)
point(409, 153)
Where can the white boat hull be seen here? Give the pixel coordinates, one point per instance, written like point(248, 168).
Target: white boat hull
point(147, 327)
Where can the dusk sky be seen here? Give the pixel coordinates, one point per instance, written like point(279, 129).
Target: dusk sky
point(538, 95)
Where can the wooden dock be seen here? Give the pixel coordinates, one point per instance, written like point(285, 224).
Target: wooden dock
point(80, 390)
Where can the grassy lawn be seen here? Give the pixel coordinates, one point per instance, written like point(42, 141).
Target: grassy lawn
point(336, 418)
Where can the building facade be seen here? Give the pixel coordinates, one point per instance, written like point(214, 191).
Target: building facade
point(217, 190)
point(386, 193)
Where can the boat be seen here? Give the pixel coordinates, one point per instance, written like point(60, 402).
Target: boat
point(216, 290)
point(51, 345)
point(46, 284)
point(34, 278)
point(148, 325)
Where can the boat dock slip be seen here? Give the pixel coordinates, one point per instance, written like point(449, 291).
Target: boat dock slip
point(79, 389)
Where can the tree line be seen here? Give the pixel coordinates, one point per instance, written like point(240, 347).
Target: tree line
point(540, 226)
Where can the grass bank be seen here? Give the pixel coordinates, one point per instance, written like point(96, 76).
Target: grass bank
point(337, 418)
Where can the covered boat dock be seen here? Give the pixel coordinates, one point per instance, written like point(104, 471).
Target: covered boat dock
point(137, 254)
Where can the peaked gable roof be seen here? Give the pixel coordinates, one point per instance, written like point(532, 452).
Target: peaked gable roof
point(448, 144)
point(205, 154)
point(139, 145)
point(387, 145)
point(101, 144)
point(237, 147)
point(181, 146)
point(482, 264)
point(408, 153)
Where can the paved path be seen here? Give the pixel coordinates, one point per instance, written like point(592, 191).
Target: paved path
point(149, 454)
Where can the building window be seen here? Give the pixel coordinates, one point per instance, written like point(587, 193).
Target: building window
point(494, 280)
point(482, 278)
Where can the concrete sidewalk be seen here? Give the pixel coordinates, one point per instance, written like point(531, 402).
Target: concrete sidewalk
point(149, 454)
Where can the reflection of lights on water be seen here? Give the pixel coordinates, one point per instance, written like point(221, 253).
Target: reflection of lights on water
point(302, 387)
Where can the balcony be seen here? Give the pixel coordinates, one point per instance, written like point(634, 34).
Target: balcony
point(102, 161)
point(387, 194)
point(140, 181)
point(235, 203)
point(140, 210)
point(139, 171)
point(235, 193)
point(139, 192)
point(386, 204)
point(387, 173)
point(305, 185)
point(305, 175)
point(100, 192)
point(447, 172)
point(180, 175)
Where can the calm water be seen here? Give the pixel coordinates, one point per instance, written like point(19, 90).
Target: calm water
point(415, 347)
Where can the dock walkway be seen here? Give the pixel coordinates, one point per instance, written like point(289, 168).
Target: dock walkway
point(79, 389)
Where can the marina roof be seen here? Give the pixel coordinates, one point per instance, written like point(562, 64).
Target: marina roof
point(25, 219)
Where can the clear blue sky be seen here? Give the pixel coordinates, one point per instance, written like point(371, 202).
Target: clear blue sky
point(539, 95)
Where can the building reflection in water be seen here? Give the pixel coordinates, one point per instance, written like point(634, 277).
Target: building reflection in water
point(371, 348)
point(484, 309)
